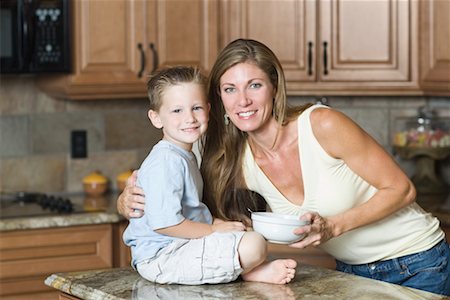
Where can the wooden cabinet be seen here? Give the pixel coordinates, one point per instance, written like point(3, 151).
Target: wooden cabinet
point(309, 256)
point(116, 44)
point(333, 47)
point(27, 257)
point(435, 47)
point(121, 252)
point(326, 47)
point(287, 27)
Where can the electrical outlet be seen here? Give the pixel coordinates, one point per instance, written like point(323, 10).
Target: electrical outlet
point(78, 144)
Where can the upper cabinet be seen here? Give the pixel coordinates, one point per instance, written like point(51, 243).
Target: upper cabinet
point(334, 47)
point(119, 43)
point(435, 47)
point(326, 47)
point(287, 27)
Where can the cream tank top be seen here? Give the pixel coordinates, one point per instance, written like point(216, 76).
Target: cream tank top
point(331, 188)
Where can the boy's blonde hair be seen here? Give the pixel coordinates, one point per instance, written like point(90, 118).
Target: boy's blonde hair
point(164, 78)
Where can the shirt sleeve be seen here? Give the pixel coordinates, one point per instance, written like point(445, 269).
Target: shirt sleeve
point(162, 179)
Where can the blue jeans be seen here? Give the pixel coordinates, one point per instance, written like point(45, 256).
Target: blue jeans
point(427, 270)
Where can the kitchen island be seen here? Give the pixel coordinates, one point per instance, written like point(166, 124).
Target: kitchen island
point(311, 282)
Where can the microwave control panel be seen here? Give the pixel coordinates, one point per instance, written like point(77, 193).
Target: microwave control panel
point(51, 36)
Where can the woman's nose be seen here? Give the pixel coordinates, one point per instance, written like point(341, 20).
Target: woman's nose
point(244, 100)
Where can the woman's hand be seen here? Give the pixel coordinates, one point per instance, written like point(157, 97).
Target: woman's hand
point(131, 201)
point(318, 232)
point(223, 226)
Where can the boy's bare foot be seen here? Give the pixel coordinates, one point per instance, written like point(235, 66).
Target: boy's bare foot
point(280, 271)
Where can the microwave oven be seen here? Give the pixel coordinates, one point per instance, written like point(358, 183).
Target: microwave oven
point(35, 36)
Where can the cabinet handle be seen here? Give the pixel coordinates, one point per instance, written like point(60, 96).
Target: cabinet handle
point(310, 58)
point(141, 50)
point(325, 58)
point(155, 57)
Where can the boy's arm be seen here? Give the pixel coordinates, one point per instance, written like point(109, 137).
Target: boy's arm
point(192, 230)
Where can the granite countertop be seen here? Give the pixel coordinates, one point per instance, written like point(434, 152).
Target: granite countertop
point(88, 211)
point(310, 282)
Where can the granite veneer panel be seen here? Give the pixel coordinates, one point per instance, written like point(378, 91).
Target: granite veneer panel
point(44, 173)
point(374, 121)
point(50, 133)
point(130, 130)
point(14, 136)
point(110, 163)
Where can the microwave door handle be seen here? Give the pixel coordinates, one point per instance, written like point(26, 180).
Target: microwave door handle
point(28, 32)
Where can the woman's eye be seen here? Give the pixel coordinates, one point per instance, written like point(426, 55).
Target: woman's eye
point(255, 85)
point(228, 90)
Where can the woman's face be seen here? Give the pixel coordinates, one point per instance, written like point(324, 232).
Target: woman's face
point(247, 95)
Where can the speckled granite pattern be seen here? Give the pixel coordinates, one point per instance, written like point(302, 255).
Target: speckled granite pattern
point(59, 221)
point(105, 213)
point(311, 283)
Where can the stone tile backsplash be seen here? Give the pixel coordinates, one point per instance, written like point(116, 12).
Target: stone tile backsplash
point(35, 133)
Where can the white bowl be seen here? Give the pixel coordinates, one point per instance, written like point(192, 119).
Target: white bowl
point(277, 228)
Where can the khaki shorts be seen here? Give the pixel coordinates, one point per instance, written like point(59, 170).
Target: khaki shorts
point(211, 259)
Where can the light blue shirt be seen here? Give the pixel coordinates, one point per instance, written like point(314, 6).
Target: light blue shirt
point(173, 184)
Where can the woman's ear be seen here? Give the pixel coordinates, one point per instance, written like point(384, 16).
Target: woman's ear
point(155, 119)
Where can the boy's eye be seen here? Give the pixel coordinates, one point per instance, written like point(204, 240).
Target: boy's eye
point(178, 110)
point(198, 108)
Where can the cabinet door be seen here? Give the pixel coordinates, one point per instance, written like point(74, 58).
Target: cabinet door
point(28, 257)
point(365, 41)
point(435, 46)
point(182, 32)
point(286, 27)
point(333, 46)
point(106, 56)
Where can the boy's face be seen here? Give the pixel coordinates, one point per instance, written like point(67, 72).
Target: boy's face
point(183, 115)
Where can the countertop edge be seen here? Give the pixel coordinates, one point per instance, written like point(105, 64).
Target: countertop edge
point(78, 290)
point(59, 221)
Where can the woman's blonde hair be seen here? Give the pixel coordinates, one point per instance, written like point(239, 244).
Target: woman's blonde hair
point(225, 191)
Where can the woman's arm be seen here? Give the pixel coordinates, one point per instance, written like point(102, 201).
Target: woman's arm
point(131, 201)
point(343, 139)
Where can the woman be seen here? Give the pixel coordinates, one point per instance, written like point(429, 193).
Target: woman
point(359, 202)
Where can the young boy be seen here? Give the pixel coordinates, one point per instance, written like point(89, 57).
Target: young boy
point(177, 241)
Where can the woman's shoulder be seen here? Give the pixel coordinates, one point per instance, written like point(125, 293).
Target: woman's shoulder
point(327, 118)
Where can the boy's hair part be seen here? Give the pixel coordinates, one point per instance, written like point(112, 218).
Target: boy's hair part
point(170, 76)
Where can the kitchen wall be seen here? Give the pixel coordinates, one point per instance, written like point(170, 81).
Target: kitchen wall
point(35, 133)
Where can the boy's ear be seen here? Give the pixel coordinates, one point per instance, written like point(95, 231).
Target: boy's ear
point(155, 119)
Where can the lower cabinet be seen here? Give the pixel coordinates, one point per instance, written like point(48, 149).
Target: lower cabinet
point(309, 256)
point(28, 257)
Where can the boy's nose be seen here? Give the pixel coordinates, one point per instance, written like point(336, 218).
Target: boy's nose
point(190, 117)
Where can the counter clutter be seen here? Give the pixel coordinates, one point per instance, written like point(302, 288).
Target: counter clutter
point(310, 282)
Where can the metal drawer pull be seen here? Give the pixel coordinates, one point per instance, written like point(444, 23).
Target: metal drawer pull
point(310, 58)
point(141, 50)
point(325, 58)
point(155, 57)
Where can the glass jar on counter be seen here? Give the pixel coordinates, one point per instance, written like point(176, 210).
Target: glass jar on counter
point(424, 131)
point(426, 140)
